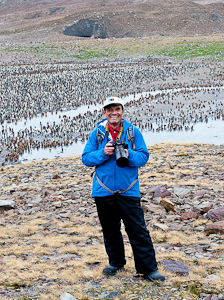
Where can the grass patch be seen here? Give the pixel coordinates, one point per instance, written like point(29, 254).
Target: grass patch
point(187, 50)
point(92, 54)
point(183, 48)
point(64, 51)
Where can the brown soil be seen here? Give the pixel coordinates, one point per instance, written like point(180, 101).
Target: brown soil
point(28, 21)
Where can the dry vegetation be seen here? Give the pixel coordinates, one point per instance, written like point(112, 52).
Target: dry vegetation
point(53, 255)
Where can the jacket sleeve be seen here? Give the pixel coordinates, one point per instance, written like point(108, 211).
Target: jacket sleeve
point(140, 156)
point(92, 156)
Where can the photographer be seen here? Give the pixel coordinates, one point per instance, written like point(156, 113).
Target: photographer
point(116, 189)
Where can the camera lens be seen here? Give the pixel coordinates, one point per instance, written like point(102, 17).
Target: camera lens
point(121, 157)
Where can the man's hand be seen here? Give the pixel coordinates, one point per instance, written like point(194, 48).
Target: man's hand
point(126, 151)
point(108, 149)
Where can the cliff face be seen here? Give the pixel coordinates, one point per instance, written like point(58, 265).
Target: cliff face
point(86, 28)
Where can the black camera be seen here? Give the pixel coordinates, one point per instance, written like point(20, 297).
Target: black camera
point(120, 154)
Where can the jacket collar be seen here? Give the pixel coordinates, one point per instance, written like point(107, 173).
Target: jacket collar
point(102, 124)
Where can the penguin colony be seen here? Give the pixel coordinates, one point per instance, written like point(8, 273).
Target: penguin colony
point(29, 90)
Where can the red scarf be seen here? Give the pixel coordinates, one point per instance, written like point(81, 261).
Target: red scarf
point(113, 132)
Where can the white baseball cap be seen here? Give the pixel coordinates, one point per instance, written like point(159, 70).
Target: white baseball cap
point(113, 101)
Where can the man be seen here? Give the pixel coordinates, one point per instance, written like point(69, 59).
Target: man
point(116, 190)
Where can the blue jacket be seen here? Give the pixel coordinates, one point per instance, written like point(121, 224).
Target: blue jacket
point(112, 176)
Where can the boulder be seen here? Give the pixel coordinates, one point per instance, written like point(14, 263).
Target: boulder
point(67, 296)
point(176, 228)
point(167, 204)
point(203, 207)
point(216, 214)
point(86, 28)
point(154, 188)
point(175, 267)
point(199, 196)
point(208, 297)
point(7, 204)
point(154, 208)
point(159, 191)
point(163, 227)
point(56, 176)
point(162, 192)
point(217, 227)
point(188, 215)
point(181, 191)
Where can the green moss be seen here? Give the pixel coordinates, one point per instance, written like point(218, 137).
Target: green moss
point(91, 54)
point(210, 232)
point(51, 51)
point(162, 240)
point(214, 50)
point(193, 289)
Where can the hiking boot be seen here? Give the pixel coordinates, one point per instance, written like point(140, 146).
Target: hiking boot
point(155, 276)
point(110, 270)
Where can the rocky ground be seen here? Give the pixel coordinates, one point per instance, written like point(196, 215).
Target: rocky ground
point(51, 241)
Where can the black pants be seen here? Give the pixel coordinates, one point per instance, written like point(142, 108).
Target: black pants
point(111, 210)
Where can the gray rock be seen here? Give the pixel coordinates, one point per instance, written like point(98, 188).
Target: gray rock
point(214, 298)
point(215, 17)
point(159, 191)
point(163, 227)
point(86, 28)
point(154, 188)
point(208, 297)
point(216, 227)
point(204, 207)
point(188, 215)
point(213, 276)
point(37, 200)
point(175, 267)
point(111, 295)
point(216, 214)
point(24, 180)
point(67, 296)
point(179, 191)
point(7, 204)
point(162, 192)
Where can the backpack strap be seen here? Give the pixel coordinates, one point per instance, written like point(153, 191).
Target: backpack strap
point(99, 137)
point(118, 191)
point(131, 136)
point(130, 133)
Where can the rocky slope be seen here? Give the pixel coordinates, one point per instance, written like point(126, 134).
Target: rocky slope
point(47, 20)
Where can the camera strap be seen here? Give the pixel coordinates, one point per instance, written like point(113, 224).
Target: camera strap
point(118, 191)
point(115, 135)
point(130, 133)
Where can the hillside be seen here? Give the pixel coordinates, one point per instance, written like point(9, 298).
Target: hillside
point(45, 21)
